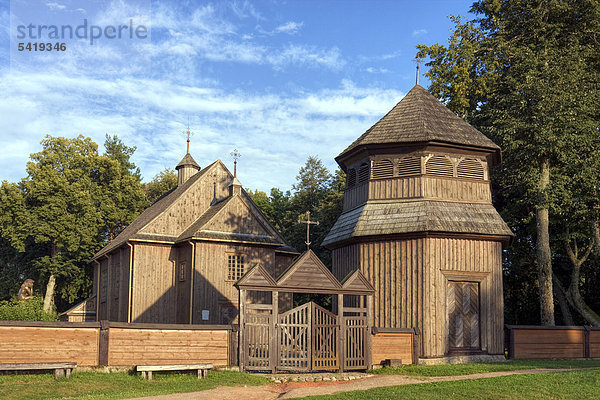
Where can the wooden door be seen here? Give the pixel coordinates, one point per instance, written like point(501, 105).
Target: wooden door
point(463, 316)
point(324, 339)
point(294, 339)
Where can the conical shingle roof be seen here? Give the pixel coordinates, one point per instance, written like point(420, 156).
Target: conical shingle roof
point(420, 117)
point(186, 161)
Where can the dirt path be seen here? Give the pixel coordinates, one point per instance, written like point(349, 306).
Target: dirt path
point(293, 389)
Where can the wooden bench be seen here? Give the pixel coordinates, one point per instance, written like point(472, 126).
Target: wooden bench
point(147, 370)
point(60, 369)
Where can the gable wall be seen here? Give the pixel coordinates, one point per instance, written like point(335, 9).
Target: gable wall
point(237, 218)
point(192, 204)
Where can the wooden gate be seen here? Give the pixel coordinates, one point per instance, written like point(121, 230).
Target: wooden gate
point(294, 339)
point(355, 341)
point(463, 316)
point(257, 339)
point(325, 331)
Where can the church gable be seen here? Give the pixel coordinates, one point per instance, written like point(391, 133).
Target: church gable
point(236, 217)
point(357, 281)
point(308, 270)
point(192, 203)
point(257, 276)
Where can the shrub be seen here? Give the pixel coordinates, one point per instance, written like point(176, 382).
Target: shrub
point(28, 310)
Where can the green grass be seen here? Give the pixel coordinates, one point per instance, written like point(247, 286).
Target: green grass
point(96, 385)
point(575, 385)
point(477, 368)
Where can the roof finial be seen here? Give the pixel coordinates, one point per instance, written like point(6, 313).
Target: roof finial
point(308, 223)
point(189, 134)
point(418, 61)
point(235, 154)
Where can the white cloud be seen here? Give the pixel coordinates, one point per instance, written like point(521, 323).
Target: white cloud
point(419, 32)
point(289, 27)
point(373, 70)
point(295, 54)
point(55, 6)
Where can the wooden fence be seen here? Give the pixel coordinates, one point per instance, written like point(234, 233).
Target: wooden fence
point(525, 341)
point(395, 344)
point(117, 344)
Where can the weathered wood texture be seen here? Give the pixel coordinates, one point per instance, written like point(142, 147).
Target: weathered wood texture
point(213, 291)
point(22, 344)
point(393, 346)
point(410, 277)
point(153, 292)
point(463, 315)
point(548, 343)
point(162, 346)
point(594, 343)
point(191, 205)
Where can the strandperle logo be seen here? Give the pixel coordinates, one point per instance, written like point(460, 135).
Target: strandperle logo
point(93, 33)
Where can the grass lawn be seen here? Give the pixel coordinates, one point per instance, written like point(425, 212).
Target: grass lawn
point(96, 385)
point(466, 369)
point(576, 385)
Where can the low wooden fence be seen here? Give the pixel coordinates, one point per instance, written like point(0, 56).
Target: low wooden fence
point(395, 344)
point(117, 344)
point(526, 341)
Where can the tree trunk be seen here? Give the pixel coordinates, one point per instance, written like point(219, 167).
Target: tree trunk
point(573, 293)
point(563, 303)
point(49, 297)
point(543, 249)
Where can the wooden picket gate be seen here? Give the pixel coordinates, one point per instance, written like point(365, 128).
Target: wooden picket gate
point(308, 338)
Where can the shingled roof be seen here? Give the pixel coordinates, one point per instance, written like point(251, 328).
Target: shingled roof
point(187, 160)
point(420, 117)
point(417, 216)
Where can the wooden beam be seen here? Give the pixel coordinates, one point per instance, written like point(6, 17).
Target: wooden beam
point(103, 342)
point(273, 347)
point(242, 339)
point(341, 332)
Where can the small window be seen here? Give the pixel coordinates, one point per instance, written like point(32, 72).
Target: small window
point(439, 165)
point(470, 168)
point(363, 173)
point(383, 169)
point(351, 177)
point(182, 271)
point(235, 266)
point(409, 166)
point(117, 276)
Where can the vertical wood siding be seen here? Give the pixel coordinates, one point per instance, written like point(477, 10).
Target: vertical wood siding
point(154, 298)
point(410, 278)
point(549, 343)
point(393, 346)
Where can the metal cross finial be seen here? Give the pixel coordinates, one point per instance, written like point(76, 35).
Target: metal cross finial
point(308, 223)
point(235, 154)
point(189, 134)
point(418, 61)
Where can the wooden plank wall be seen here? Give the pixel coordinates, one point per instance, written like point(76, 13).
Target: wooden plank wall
point(167, 346)
point(410, 278)
point(393, 346)
point(43, 344)
point(547, 342)
point(355, 196)
point(154, 271)
point(594, 342)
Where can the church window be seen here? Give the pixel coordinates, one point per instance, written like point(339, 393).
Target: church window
point(409, 166)
point(363, 173)
point(351, 177)
point(383, 169)
point(439, 165)
point(470, 168)
point(103, 286)
point(182, 271)
point(235, 266)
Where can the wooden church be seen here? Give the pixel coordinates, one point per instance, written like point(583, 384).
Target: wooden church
point(419, 223)
point(178, 261)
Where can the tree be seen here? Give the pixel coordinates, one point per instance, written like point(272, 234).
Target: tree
point(162, 183)
point(525, 74)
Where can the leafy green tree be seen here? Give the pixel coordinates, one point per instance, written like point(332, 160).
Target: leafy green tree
point(29, 310)
point(162, 183)
point(525, 73)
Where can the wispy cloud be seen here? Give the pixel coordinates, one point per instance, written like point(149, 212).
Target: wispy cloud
point(373, 70)
point(55, 6)
point(419, 32)
point(289, 27)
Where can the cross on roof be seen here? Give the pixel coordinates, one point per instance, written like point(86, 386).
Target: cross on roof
point(418, 61)
point(189, 134)
point(308, 223)
point(235, 154)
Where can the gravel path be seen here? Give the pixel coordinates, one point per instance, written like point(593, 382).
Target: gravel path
point(293, 389)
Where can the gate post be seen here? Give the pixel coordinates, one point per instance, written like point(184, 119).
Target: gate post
point(368, 338)
point(273, 340)
point(341, 332)
point(242, 340)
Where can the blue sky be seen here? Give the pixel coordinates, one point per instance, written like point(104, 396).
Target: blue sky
point(279, 80)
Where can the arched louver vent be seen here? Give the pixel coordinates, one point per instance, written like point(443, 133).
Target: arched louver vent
point(363, 173)
point(409, 166)
point(383, 169)
point(351, 177)
point(470, 168)
point(439, 165)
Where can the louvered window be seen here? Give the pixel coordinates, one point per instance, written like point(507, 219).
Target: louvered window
point(470, 168)
point(363, 173)
point(439, 165)
point(351, 177)
point(409, 166)
point(383, 169)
